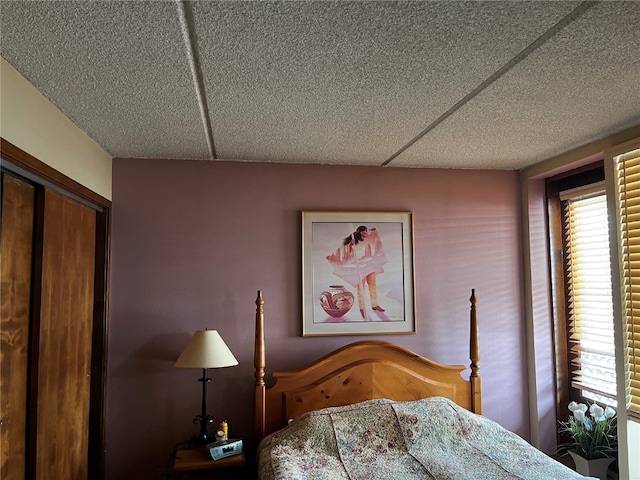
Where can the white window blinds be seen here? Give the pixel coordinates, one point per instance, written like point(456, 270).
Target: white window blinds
point(587, 257)
point(628, 169)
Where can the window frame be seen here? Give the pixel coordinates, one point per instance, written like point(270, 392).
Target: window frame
point(583, 176)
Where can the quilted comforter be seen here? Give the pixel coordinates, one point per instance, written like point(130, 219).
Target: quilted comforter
point(380, 439)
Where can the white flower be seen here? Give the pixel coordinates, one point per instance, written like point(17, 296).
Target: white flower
point(573, 406)
point(597, 412)
point(579, 414)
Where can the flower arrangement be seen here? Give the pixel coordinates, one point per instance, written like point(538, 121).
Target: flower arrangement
point(594, 433)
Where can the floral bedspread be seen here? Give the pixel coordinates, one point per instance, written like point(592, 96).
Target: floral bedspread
point(379, 439)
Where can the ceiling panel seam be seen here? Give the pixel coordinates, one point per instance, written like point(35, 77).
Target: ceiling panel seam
point(541, 40)
point(185, 14)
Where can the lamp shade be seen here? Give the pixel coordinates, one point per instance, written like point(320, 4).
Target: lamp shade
point(206, 349)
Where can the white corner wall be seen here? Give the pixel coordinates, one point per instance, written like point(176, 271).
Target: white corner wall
point(31, 122)
point(633, 439)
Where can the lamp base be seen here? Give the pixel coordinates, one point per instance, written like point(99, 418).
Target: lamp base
point(203, 419)
point(198, 441)
point(203, 437)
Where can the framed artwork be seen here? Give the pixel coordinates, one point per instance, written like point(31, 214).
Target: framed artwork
point(357, 273)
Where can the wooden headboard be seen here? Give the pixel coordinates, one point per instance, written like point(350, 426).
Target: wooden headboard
point(360, 371)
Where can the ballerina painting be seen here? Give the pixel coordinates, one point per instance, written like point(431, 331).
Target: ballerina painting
point(366, 257)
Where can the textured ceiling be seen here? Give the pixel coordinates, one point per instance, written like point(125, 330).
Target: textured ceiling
point(406, 84)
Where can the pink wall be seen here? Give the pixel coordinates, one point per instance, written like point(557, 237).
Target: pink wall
point(546, 425)
point(192, 243)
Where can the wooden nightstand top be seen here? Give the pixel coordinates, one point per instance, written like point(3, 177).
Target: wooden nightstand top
point(198, 458)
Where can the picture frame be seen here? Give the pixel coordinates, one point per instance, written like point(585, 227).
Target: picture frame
point(341, 250)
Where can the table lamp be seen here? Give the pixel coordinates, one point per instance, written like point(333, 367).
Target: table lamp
point(205, 350)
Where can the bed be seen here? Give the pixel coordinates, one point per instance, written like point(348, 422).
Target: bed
point(375, 410)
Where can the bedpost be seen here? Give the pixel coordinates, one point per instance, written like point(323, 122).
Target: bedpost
point(474, 355)
point(259, 363)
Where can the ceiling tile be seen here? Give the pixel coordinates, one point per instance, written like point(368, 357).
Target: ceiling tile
point(117, 69)
point(582, 85)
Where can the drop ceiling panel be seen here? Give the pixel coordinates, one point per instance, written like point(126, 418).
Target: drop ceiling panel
point(117, 69)
point(581, 85)
point(349, 82)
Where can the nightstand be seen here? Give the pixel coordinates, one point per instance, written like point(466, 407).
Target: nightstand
point(196, 463)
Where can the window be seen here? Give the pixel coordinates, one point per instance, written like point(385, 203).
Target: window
point(628, 171)
point(582, 288)
point(591, 349)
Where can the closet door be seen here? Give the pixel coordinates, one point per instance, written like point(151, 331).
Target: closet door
point(16, 251)
point(64, 357)
point(54, 255)
point(47, 268)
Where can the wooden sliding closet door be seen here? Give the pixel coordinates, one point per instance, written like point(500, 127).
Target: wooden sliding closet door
point(16, 251)
point(64, 359)
point(54, 257)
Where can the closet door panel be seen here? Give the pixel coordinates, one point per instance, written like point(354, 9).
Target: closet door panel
point(16, 250)
point(64, 363)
